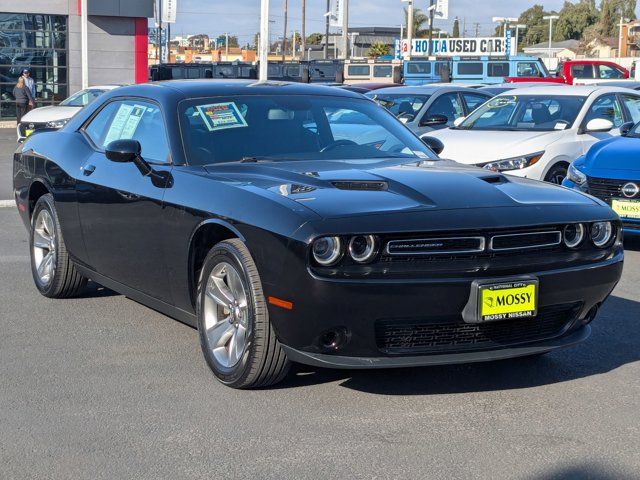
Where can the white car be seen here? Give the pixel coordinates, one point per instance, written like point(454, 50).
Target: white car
point(56, 116)
point(537, 132)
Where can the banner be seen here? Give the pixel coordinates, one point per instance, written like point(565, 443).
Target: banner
point(460, 47)
point(442, 10)
point(337, 10)
point(169, 10)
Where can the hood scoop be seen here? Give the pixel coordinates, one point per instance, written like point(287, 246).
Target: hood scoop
point(360, 185)
point(495, 179)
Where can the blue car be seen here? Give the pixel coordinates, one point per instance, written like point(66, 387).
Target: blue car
point(610, 171)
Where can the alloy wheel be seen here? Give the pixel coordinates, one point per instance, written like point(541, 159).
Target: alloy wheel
point(226, 314)
point(44, 247)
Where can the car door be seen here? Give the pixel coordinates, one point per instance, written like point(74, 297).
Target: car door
point(446, 104)
point(609, 107)
point(120, 209)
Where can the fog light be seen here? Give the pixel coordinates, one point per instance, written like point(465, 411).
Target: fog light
point(327, 250)
point(363, 248)
point(573, 235)
point(601, 233)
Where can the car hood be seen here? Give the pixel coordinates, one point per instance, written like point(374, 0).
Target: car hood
point(612, 157)
point(481, 146)
point(335, 189)
point(51, 113)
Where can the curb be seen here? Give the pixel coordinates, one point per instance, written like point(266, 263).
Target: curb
point(7, 203)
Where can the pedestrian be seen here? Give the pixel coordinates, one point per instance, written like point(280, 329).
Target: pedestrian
point(24, 99)
point(30, 84)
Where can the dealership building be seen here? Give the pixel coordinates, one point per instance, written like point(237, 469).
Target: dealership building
point(45, 36)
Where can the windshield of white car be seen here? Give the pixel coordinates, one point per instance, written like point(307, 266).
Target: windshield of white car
point(82, 98)
point(251, 128)
point(400, 104)
point(525, 113)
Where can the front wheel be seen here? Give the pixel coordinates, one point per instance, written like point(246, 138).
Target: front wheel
point(556, 174)
point(236, 336)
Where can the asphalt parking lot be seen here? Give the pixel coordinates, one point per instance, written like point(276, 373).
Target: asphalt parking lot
point(102, 387)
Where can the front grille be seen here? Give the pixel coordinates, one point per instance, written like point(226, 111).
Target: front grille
point(410, 336)
point(605, 188)
point(436, 246)
point(24, 126)
point(519, 241)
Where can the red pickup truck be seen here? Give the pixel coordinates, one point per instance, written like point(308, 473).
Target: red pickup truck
point(579, 72)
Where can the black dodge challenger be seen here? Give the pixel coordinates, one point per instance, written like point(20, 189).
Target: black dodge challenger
point(305, 223)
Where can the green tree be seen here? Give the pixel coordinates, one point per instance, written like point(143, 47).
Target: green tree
point(537, 29)
point(420, 23)
point(456, 28)
point(574, 19)
point(378, 49)
point(610, 13)
point(314, 39)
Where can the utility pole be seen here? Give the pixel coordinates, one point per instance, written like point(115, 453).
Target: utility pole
point(303, 33)
point(476, 27)
point(345, 29)
point(432, 9)
point(409, 26)
point(160, 31)
point(284, 35)
point(551, 18)
point(293, 50)
point(620, 38)
point(169, 42)
point(226, 47)
point(84, 44)
point(326, 30)
point(264, 40)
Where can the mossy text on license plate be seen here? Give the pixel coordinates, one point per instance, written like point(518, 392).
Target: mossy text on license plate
point(626, 208)
point(503, 301)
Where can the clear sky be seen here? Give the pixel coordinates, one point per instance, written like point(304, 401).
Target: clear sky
point(241, 17)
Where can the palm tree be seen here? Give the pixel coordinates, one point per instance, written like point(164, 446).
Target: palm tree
point(378, 49)
point(420, 19)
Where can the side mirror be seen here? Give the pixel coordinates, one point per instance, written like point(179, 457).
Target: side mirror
point(123, 151)
point(406, 117)
point(433, 143)
point(434, 120)
point(458, 121)
point(625, 128)
point(599, 125)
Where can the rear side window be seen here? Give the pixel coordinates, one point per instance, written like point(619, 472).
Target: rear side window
point(358, 70)
point(582, 71)
point(423, 68)
point(383, 71)
point(498, 69)
point(470, 68)
point(528, 69)
point(131, 119)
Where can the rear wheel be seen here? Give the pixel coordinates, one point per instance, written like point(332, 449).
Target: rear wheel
point(54, 273)
point(556, 174)
point(236, 336)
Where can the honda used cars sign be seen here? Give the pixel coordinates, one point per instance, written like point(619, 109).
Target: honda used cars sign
point(461, 47)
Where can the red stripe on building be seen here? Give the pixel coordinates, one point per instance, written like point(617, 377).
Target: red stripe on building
point(79, 7)
point(140, 54)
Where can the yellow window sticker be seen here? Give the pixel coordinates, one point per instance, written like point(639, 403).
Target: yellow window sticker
point(221, 116)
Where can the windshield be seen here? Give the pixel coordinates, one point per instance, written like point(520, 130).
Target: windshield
point(635, 131)
point(525, 112)
point(277, 127)
point(82, 98)
point(400, 104)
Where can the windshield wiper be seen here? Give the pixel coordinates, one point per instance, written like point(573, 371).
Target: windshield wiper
point(266, 158)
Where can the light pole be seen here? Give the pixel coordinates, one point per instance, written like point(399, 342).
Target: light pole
point(518, 26)
point(345, 29)
point(264, 40)
point(284, 35)
point(551, 18)
point(326, 30)
point(84, 44)
point(409, 25)
point(504, 21)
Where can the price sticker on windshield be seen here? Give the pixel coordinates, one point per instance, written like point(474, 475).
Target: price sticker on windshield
point(221, 116)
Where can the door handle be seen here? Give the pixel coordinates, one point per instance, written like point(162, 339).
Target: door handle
point(88, 170)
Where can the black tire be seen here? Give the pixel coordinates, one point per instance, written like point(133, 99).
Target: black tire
point(65, 281)
point(264, 362)
point(557, 174)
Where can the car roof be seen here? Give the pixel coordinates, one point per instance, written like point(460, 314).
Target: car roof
point(210, 87)
point(620, 83)
point(103, 87)
point(425, 90)
point(573, 91)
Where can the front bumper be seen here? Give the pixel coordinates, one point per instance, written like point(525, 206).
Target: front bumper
point(360, 310)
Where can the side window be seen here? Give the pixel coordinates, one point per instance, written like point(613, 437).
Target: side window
point(633, 107)
point(528, 69)
point(358, 70)
point(136, 119)
point(447, 105)
point(470, 68)
point(582, 71)
point(607, 107)
point(498, 69)
point(382, 71)
point(473, 100)
point(419, 67)
point(606, 71)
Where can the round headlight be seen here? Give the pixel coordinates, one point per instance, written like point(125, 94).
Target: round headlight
point(327, 250)
point(362, 248)
point(601, 233)
point(573, 235)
